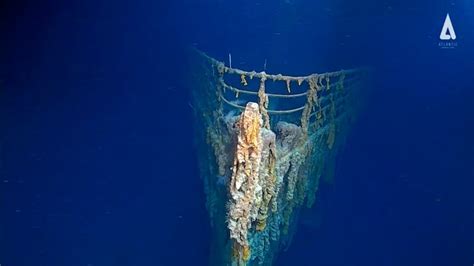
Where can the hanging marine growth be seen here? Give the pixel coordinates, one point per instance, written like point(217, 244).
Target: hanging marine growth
point(260, 165)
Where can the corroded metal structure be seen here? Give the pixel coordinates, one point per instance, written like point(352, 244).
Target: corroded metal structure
point(264, 143)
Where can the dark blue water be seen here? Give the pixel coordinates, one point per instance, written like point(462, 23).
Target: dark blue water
point(97, 161)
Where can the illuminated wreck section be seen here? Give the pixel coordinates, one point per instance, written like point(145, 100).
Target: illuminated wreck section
point(264, 143)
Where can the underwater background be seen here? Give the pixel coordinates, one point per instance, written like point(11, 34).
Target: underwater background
point(98, 164)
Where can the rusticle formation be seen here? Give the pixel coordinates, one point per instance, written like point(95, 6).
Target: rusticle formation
point(262, 157)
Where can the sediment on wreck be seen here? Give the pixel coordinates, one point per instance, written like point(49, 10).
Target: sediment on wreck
point(264, 143)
